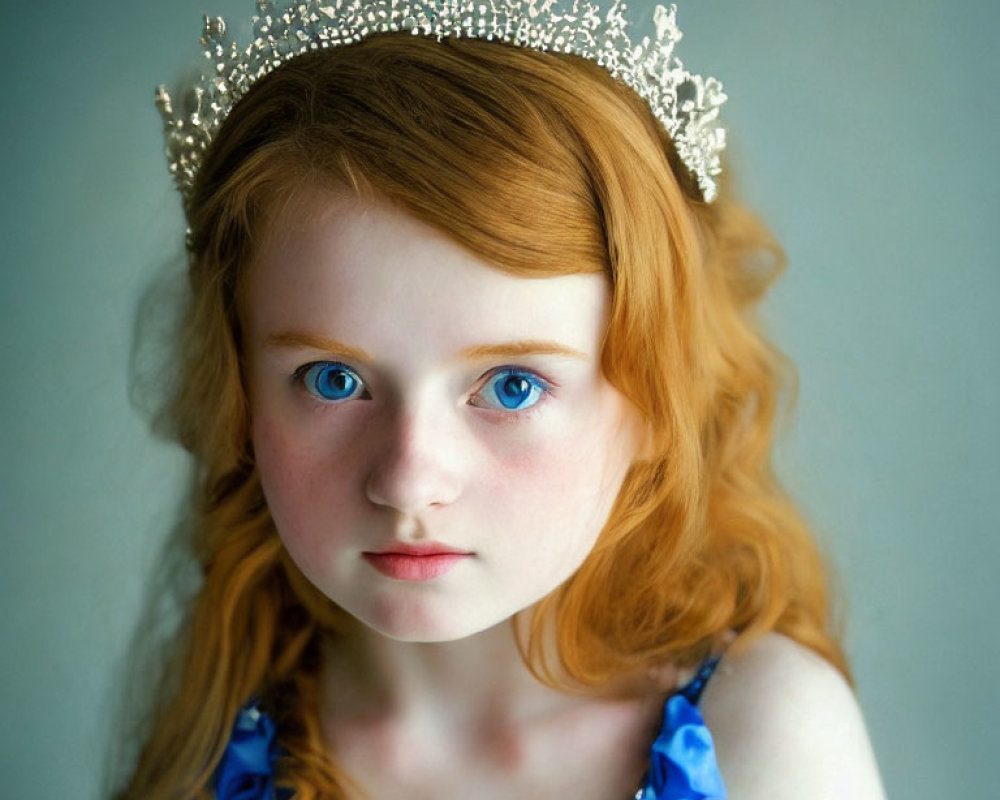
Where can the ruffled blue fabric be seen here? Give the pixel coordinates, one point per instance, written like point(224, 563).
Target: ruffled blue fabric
point(682, 763)
point(246, 771)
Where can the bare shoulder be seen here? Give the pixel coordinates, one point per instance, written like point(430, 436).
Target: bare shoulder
point(787, 726)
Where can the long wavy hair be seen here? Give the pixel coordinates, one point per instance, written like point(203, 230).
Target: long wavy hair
point(540, 165)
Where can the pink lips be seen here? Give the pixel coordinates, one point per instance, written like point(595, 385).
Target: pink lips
point(415, 562)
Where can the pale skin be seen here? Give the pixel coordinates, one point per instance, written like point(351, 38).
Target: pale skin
point(381, 358)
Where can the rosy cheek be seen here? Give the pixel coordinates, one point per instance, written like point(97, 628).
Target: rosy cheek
point(581, 470)
point(550, 477)
point(308, 500)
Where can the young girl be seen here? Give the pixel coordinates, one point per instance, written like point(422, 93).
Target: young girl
point(483, 422)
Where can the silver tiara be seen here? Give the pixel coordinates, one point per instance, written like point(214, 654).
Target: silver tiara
point(687, 105)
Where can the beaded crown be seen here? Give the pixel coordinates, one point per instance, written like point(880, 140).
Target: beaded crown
point(686, 105)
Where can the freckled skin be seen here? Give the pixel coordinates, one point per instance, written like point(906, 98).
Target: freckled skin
point(419, 456)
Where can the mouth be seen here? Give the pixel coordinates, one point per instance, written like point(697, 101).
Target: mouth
point(415, 562)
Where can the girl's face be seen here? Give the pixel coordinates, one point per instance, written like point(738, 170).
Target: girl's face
point(437, 443)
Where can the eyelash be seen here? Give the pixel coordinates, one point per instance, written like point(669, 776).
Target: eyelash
point(537, 388)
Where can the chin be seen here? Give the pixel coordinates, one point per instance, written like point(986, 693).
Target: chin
point(429, 637)
point(411, 623)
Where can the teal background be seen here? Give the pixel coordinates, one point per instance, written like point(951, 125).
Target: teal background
point(865, 132)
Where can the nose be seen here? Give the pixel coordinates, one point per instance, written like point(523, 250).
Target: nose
point(416, 467)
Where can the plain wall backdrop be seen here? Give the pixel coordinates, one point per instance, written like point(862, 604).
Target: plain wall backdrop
point(866, 133)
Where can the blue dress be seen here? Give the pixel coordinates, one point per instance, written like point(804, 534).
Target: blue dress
point(682, 764)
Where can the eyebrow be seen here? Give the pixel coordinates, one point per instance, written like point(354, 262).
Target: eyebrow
point(298, 341)
point(528, 347)
point(478, 352)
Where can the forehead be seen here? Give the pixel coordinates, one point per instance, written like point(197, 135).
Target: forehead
point(357, 269)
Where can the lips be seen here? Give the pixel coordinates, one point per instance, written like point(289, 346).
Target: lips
point(416, 562)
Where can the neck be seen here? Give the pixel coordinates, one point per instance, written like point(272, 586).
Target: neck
point(406, 713)
point(368, 676)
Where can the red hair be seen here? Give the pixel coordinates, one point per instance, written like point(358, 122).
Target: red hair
point(541, 165)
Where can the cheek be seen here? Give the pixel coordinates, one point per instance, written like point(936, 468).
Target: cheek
point(307, 494)
point(561, 488)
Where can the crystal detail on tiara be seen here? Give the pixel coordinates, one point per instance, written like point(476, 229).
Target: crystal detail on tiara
point(687, 105)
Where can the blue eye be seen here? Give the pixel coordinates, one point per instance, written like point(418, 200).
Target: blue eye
point(330, 381)
point(512, 390)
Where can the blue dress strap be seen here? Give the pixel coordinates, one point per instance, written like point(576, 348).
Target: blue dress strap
point(693, 689)
point(246, 771)
point(682, 762)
